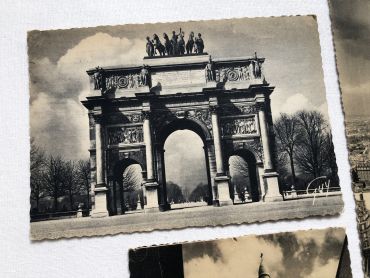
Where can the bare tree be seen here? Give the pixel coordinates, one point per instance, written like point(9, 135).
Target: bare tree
point(37, 163)
point(174, 193)
point(69, 181)
point(310, 154)
point(83, 178)
point(287, 131)
point(330, 159)
point(186, 193)
point(53, 178)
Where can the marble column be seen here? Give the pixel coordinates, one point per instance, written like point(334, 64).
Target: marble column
point(222, 181)
point(151, 186)
point(100, 209)
point(270, 176)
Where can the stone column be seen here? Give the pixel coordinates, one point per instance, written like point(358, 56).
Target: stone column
point(151, 186)
point(270, 176)
point(213, 173)
point(222, 181)
point(209, 178)
point(100, 209)
point(267, 163)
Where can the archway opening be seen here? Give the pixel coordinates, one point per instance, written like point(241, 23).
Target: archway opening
point(243, 173)
point(127, 187)
point(187, 182)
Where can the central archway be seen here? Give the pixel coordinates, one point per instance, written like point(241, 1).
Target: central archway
point(177, 173)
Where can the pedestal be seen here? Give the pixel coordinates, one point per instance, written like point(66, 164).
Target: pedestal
point(237, 200)
point(273, 193)
point(151, 193)
point(223, 190)
point(100, 209)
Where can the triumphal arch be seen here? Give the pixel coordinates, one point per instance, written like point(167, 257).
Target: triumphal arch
point(133, 109)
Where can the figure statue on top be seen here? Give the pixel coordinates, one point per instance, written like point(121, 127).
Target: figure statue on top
point(149, 47)
point(181, 43)
point(190, 43)
point(199, 44)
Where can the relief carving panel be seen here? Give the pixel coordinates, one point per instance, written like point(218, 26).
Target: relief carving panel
point(125, 135)
point(239, 126)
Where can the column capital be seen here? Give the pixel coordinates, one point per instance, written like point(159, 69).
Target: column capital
point(98, 118)
point(260, 106)
point(214, 109)
point(147, 114)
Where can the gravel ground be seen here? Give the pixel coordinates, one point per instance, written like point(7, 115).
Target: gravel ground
point(189, 217)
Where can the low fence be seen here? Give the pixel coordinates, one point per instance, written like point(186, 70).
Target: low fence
point(35, 217)
point(317, 188)
point(301, 194)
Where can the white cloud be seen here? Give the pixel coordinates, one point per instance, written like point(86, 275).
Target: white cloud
point(241, 258)
point(185, 157)
point(294, 104)
point(327, 270)
point(58, 121)
point(60, 127)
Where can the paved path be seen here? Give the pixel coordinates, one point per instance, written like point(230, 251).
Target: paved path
point(190, 217)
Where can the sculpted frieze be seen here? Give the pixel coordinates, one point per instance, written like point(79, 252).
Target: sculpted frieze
point(255, 146)
point(125, 135)
point(121, 118)
point(238, 110)
point(161, 118)
point(249, 71)
point(129, 80)
point(239, 126)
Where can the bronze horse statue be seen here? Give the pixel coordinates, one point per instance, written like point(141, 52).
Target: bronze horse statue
point(167, 44)
point(158, 45)
point(190, 43)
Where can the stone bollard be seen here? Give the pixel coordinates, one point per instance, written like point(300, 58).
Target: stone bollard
point(79, 211)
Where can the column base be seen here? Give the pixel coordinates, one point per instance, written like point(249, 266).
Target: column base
point(164, 207)
point(151, 210)
point(100, 209)
point(215, 203)
point(151, 193)
point(272, 193)
point(223, 190)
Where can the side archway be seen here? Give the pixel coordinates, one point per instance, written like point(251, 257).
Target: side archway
point(126, 190)
point(242, 166)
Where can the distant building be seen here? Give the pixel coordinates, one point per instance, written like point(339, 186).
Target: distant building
point(363, 171)
point(363, 225)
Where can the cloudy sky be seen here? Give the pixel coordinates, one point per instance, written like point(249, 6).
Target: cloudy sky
point(351, 26)
point(58, 60)
point(304, 254)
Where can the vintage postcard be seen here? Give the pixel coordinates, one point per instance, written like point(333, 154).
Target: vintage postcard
point(351, 29)
point(303, 254)
point(173, 125)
